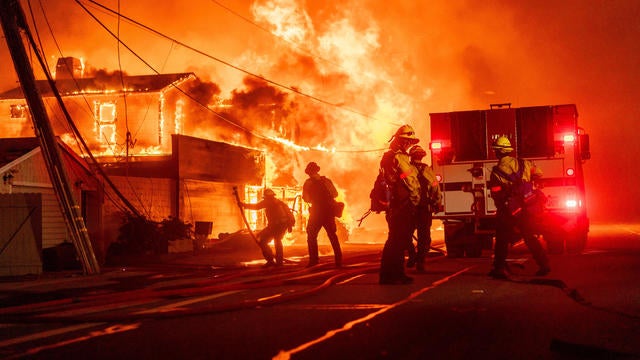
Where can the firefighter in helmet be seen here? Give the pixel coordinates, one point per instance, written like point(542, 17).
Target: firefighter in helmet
point(430, 202)
point(515, 216)
point(402, 177)
point(277, 225)
point(320, 192)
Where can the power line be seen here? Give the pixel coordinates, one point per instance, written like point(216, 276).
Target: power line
point(127, 140)
point(84, 148)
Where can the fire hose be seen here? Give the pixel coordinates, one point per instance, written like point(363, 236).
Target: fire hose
point(35, 316)
point(244, 217)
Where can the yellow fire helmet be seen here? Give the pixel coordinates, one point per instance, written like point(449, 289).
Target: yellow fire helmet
point(417, 152)
point(502, 145)
point(268, 192)
point(406, 132)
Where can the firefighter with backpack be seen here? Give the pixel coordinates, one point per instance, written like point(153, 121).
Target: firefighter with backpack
point(518, 207)
point(430, 202)
point(401, 178)
point(279, 220)
point(320, 192)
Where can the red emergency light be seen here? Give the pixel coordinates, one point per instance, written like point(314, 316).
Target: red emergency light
point(571, 203)
point(435, 146)
point(570, 172)
point(569, 138)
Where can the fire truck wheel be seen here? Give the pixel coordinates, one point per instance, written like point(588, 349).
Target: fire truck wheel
point(576, 242)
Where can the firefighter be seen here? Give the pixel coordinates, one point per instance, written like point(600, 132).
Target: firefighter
point(277, 224)
point(514, 218)
point(430, 202)
point(402, 178)
point(320, 192)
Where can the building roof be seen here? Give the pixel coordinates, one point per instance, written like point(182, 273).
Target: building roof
point(12, 149)
point(102, 84)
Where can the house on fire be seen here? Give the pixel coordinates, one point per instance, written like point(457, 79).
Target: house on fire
point(112, 112)
point(134, 126)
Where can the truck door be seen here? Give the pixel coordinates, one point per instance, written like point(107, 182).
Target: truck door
point(500, 122)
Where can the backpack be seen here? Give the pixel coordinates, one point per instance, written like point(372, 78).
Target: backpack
point(290, 218)
point(521, 193)
point(380, 194)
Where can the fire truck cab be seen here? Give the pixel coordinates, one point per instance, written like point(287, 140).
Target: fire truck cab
point(462, 158)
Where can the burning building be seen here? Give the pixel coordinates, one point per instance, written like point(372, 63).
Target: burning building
point(155, 137)
point(194, 183)
point(116, 113)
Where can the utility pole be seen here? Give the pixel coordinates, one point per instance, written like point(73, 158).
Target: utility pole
point(13, 20)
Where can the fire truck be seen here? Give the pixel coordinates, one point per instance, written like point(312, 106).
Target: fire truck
point(462, 159)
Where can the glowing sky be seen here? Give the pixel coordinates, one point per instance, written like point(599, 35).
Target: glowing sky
point(378, 64)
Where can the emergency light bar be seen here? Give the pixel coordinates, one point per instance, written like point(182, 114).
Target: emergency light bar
point(435, 145)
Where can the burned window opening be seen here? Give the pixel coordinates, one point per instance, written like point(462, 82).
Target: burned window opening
point(18, 111)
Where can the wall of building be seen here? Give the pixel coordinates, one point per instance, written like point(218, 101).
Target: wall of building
point(210, 202)
point(205, 160)
point(20, 234)
point(11, 126)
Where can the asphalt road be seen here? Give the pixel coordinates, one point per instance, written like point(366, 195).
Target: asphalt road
point(587, 307)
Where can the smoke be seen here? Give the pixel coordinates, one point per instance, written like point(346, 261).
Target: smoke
point(377, 65)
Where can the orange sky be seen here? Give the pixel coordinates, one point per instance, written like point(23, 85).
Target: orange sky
point(392, 62)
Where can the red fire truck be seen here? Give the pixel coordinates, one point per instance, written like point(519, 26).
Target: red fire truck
point(462, 159)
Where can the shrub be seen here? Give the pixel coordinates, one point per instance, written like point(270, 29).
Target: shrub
point(139, 235)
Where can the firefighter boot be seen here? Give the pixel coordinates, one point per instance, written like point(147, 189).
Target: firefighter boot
point(499, 273)
point(543, 271)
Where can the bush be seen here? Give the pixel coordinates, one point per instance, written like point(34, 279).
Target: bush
point(139, 235)
point(173, 228)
